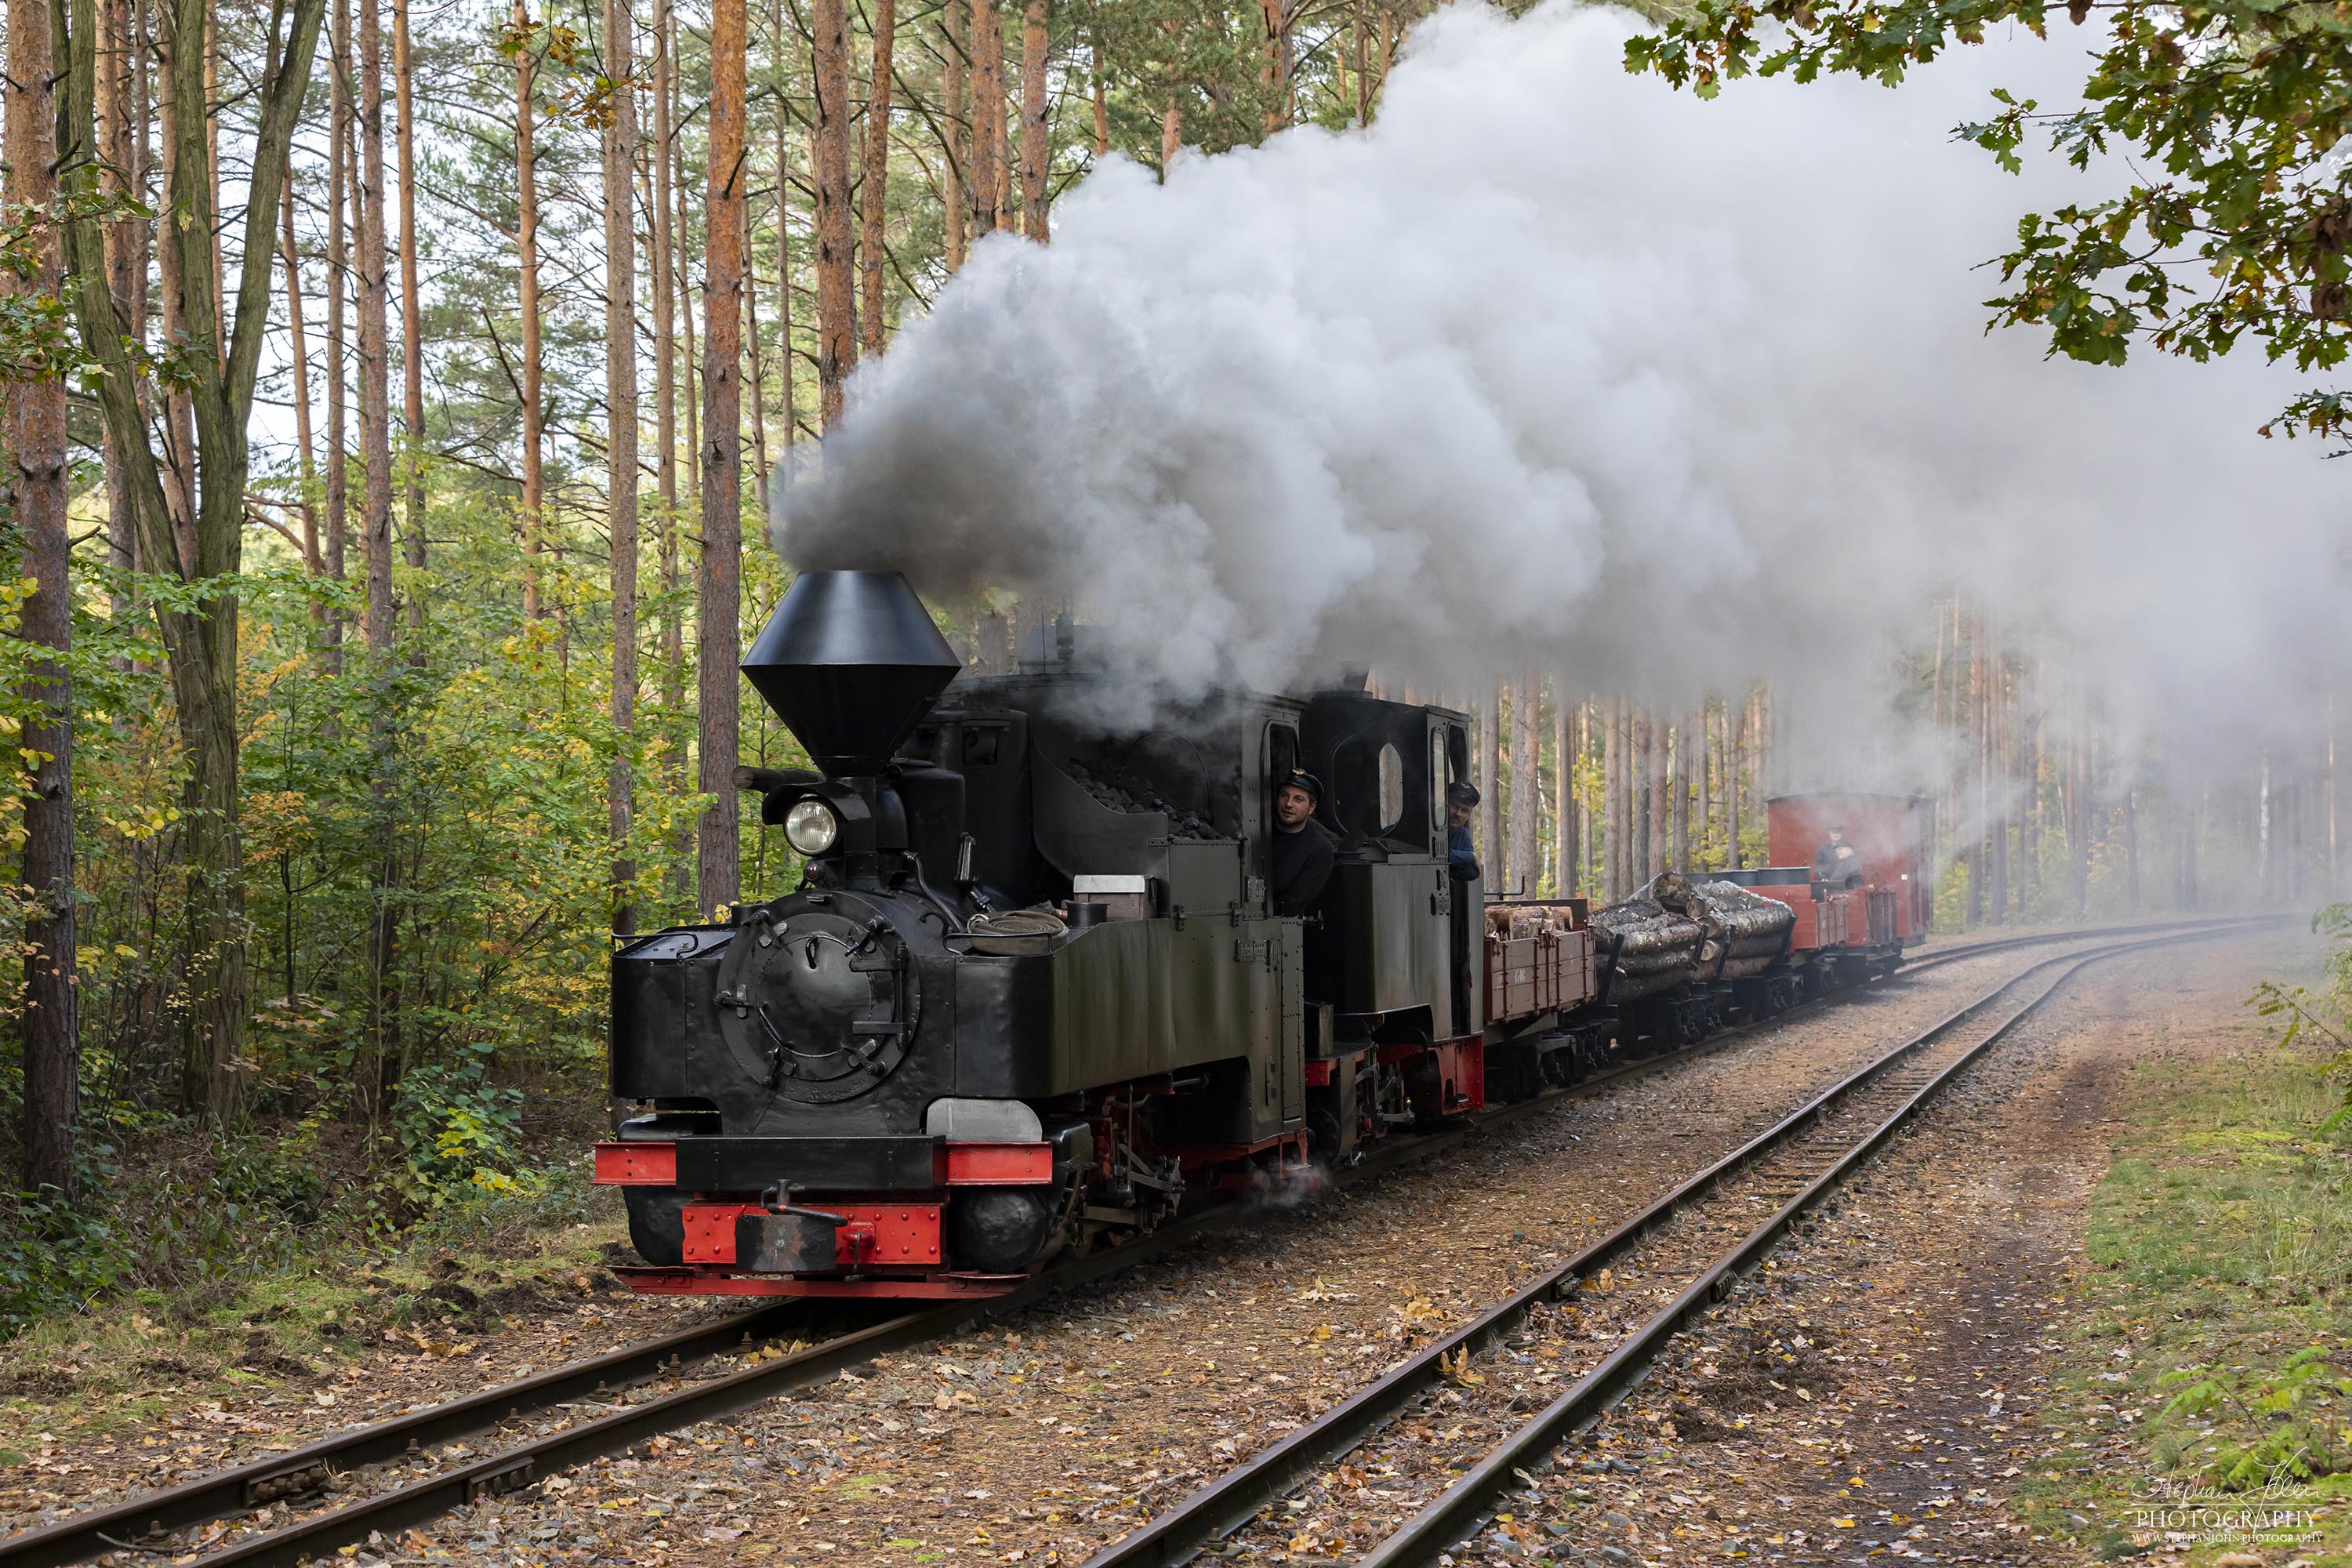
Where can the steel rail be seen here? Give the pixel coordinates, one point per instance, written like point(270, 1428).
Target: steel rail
point(1223, 1506)
point(1464, 1505)
point(299, 1471)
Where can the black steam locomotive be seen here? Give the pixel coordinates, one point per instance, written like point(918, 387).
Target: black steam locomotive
point(1032, 993)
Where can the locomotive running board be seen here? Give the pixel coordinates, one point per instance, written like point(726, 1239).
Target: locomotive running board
point(654, 1281)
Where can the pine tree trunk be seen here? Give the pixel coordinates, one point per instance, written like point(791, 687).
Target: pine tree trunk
point(1653, 790)
point(339, 181)
point(1581, 742)
point(534, 409)
point(298, 357)
point(987, 116)
point(682, 846)
point(1171, 136)
point(755, 360)
point(665, 298)
point(1980, 857)
point(2264, 885)
point(619, 151)
point(1101, 98)
point(1033, 106)
point(1613, 803)
point(2131, 847)
point(1679, 740)
point(412, 328)
point(786, 370)
point(122, 109)
point(955, 199)
point(874, 183)
point(1526, 790)
point(1704, 762)
point(179, 454)
point(1997, 766)
point(375, 403)
point(37, 476)
point(719, 584)
point(375, 534)
point(1363, 77)
point(836, 303)
point(1490, 790)
point(1563, 786)
point(1734, 734)
point(2078, 815)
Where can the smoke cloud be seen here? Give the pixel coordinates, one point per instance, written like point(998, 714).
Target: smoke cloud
point(1552, 368)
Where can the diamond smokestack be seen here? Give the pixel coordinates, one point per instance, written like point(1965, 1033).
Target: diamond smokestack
point(850, 662)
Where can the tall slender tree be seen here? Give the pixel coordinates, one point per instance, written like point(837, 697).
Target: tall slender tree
point(200, 636)
point(523, 43)
point(299, 355)
point(987, 116)
point(619, 152)
point(873, 179)
point(375, 361)
point(37, 477)
point(785, 372)
point(412, 314)
point(837, 302)
point(956, 149)
point(1526, 790)
point(123, 146)
point(1033, 106)
point(339, 181)
point(719, 585)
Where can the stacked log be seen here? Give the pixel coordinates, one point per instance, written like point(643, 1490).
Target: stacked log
point(1644, 949)
point(1744, 931)
point(1755, 928)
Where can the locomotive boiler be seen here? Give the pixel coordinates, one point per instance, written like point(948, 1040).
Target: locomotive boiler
point(1031, 992)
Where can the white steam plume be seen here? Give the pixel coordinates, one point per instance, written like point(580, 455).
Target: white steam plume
point(1555, 368)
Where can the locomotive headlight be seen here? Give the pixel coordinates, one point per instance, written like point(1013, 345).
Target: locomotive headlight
point(810, 828)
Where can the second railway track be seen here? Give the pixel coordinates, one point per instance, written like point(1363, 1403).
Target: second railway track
point(1529, 1373)
point(585, 1409)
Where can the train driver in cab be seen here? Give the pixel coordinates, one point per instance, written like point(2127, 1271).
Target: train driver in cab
point(1835, 861)
point(1298, 862)
point(1461, 852)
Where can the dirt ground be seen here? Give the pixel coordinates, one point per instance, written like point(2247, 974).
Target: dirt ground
point(1875, 1392)
point(1042, 1438)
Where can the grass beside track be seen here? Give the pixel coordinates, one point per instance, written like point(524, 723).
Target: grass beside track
point(439, 1291)
point(2203, 1401)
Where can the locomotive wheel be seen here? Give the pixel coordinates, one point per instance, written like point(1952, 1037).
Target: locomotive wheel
point(1323, 1135)
point(656, 1226)
point(1000, 1230)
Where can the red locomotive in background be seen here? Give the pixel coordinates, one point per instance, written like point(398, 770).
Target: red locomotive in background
point(1032, 992)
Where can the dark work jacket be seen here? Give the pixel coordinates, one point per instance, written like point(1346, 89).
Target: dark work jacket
point(1460, 855)
point(1299, 864)
point(1828, 866)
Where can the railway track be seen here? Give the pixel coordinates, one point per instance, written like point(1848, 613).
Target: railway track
point(606, 1403)
point(1587, 1328)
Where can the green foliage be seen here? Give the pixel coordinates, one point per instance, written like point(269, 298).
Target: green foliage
point(2297, 1439)
point(54, 1254)
point(2237, 217)
point(2323, 1016)
point(458, 1135)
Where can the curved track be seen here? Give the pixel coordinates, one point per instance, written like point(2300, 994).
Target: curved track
point(591, 1398)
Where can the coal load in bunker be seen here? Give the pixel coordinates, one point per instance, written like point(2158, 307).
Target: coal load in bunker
point(1032, 995)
